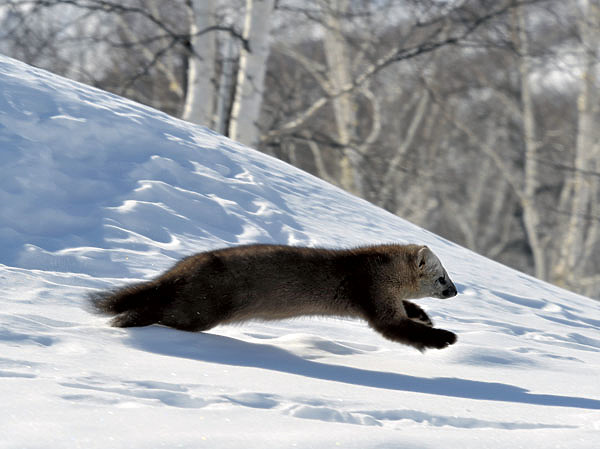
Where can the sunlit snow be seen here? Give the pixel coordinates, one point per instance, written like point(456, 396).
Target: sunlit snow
point(97, 191)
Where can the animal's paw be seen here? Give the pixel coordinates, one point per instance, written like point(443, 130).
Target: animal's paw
point(442, 338)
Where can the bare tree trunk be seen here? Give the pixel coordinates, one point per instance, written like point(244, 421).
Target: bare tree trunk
point(225, 85)
point(200, 94)
point(340, 77)
point(245, 110)
point(581, 236)
point(531, 217)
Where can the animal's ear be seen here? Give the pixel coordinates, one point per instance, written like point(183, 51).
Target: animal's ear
point(423, 256)
point(426, 260)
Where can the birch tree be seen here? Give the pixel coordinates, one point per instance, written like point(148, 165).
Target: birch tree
point(200, 100)
point(528, 196)
point(243, 122)
point(340, 72)
point(582, 237)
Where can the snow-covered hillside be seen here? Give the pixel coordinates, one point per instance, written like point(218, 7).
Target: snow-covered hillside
point(97, 191)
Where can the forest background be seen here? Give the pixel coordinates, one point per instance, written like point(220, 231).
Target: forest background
point(473, 119)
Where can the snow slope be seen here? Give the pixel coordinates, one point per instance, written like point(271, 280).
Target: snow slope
point(96, 191)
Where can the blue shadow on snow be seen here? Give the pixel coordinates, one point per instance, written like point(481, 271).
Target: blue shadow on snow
point(229, 351)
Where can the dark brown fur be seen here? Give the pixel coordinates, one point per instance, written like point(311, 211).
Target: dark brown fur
point(274, 282)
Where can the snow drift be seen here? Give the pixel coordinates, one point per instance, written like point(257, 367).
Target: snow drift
point(97, 191)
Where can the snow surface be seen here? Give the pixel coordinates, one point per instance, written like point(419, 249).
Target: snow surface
point(97, 191)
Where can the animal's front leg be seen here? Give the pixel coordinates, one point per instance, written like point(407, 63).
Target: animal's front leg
point(415, 334)
point(414, 312)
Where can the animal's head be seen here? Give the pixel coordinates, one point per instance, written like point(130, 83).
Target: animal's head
point(433, 279)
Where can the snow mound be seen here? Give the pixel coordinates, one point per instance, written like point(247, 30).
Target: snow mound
point(97, 191)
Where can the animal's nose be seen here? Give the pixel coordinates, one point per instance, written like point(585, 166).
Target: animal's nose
point(450, 292)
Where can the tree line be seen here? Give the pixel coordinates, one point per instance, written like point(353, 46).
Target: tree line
point(473, 119)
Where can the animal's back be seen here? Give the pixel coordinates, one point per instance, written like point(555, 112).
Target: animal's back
point(233, 284)
point(272, 281)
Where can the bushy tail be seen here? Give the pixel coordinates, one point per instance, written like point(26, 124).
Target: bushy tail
point(134, 305)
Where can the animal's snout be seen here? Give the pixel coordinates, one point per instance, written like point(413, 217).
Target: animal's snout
point(449, 292)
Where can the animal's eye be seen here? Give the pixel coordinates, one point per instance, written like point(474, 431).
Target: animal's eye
point(442, 281)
